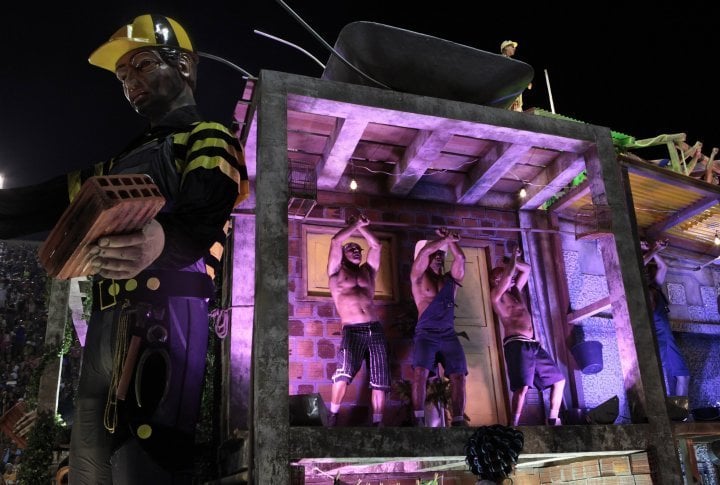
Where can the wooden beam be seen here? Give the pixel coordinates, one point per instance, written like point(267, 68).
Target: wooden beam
point(601, 305)
point(681, 216)
point(424, 149)
point(486, 174)
point(339, 150)
point(573, 195)
point(488, 125)
point(556, 176)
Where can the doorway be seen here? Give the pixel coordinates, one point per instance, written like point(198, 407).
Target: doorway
point(485, 384)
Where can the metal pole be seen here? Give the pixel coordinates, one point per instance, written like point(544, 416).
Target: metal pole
point(335, 222)
point(547, 81)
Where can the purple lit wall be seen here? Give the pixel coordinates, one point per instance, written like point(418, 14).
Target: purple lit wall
point(315, 331)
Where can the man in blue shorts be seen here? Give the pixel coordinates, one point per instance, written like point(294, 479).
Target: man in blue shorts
point(527, 362)
point(673, 363)
point(435, 338)
point(352, 286)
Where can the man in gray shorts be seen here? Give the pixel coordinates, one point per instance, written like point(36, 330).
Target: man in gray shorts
point(352, 286)
point(527, 362)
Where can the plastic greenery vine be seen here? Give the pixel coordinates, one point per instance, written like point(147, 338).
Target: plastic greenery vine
point(48, 426)
point(42, 440)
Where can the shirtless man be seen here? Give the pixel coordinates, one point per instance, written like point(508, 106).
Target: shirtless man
point(435, 338)
point(527, 362)
point(673, 363)
point(352, 286)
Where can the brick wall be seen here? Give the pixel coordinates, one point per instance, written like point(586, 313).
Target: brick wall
point(314, 325)
point(619, 470)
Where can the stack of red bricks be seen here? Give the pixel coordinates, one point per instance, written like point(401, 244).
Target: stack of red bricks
point(618, 470)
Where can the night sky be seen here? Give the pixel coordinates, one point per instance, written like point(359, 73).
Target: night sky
point(640, 71)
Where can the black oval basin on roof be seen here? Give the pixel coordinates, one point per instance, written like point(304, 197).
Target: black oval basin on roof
point(416, 63)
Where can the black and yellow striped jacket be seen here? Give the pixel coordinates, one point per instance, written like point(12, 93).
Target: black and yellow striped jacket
point(197, 165)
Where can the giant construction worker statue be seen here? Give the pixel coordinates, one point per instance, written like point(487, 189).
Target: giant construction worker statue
point(150, 287)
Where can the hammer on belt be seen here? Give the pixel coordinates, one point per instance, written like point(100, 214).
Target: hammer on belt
point(133, 351)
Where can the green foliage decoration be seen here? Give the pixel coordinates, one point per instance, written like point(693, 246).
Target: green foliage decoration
point(42, 441)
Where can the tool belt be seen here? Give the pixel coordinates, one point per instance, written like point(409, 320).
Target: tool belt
point(151, 286)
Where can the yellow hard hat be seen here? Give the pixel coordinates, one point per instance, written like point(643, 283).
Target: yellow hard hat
point(506, 43)
point(145, 31)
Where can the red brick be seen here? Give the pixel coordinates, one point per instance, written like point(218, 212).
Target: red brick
point(550, 474)
point(305, 389)
point(591, 468)
point(294, 246)
point(614, 466)
point(619, 480)
point(326, 349)
point(580, 470)
point(326, 310)
point(526, 478)
point(453, 221)
point(295, 370)
point(293, 267)
point(333, 329)
point(643, 479)
point(303, 310)
point(296, 328)
point(316, 211)
point(639, 463)
point(334, 213)
point(469, 222)
point(314, 371)
point(303, 348)
point(314, 328)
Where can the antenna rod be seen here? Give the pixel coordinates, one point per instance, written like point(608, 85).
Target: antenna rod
point(328, 46)
point(291, 45)
point(228, 63)
point(547, 81)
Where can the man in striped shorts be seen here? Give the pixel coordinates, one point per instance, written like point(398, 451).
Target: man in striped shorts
point(352, 286)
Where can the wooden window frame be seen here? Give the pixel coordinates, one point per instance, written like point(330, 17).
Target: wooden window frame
point(314, 265)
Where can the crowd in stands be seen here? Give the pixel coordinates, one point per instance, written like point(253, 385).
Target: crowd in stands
point(23, 320)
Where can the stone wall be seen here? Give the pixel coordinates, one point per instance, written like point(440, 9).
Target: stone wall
point(693, 312)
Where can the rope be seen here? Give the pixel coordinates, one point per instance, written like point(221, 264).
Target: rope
point(110, 417)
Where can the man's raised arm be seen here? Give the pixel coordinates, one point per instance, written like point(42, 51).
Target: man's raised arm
point(336, 244)
point(375, 248)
